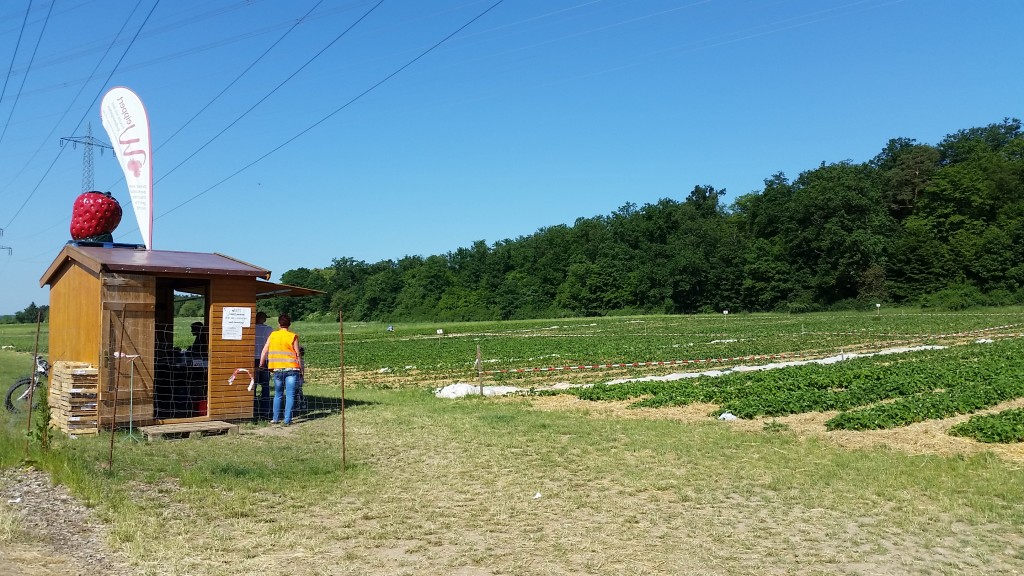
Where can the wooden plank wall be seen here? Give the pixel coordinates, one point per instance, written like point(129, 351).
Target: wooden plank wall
point(133, 298)
point(75, 316)
point(230, 401)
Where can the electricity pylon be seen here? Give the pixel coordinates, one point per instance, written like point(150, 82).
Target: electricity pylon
point(88, 142)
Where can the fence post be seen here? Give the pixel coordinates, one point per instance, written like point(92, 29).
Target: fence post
point(341, 340)
point(479, 371)
point(32, 384)
point(117, 381)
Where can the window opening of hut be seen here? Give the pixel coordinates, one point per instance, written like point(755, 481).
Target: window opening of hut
point(183, 344)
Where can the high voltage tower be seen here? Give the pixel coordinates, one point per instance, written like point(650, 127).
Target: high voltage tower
point(7, 248)
point(88, 142)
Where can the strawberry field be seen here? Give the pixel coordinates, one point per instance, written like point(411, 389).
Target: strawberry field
point(946, 365)
point(958, 376)
point(873, 392)
point(593, 346)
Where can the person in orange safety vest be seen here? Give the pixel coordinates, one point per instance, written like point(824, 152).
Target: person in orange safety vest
point(281, 355)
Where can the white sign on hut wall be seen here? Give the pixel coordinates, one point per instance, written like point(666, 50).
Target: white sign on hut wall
point(235, 318)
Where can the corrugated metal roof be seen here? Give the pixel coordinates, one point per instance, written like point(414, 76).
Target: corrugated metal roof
point(157, 262)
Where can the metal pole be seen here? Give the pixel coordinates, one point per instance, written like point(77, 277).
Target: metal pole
point(479, 371)
point(341, 333)
point(131, 396)
point(117, 379)
point(32, 381)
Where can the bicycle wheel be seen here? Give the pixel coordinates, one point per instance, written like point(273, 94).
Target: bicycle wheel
point(17, 395)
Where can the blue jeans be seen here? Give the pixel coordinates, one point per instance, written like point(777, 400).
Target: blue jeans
point(284, 385)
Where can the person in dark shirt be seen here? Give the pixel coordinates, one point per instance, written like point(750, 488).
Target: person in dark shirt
point(201, 345)
point(261, 391)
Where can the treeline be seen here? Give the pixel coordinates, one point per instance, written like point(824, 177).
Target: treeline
point(931, 225)
point(27, 316)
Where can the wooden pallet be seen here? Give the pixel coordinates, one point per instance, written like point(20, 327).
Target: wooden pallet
point(73, 396)
point(189, 429)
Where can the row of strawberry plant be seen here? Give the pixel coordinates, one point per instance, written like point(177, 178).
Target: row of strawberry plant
point(960, 378)
point(564, 342)
point(742, 392)
point(962, 399)
point(1005, 427)
point(875, 392)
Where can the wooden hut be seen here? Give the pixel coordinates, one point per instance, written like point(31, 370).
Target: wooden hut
point(112, 308)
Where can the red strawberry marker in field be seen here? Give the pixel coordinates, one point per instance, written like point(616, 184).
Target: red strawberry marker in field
point(94, 217)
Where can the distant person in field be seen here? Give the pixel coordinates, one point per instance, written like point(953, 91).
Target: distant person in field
point(261, 393)
point(201, 345)
point(281, 355)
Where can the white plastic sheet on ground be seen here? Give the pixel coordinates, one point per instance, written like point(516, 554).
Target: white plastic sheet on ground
point(461, 389)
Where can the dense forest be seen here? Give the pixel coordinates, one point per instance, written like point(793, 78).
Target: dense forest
point(929, 225)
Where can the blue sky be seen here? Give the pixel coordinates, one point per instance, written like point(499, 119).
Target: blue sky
point(535, 114)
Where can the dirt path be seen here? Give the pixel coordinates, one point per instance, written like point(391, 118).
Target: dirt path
point(60, 536)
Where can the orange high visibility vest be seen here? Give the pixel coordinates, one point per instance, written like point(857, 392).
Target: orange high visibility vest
point(281, 355)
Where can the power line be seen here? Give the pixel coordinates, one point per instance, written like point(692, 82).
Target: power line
point(14, 53)
point(244, 72)
point(67, 110)
point(25, 77)
point(114, 41)
point(125, 53)
point(151, 33)
point(340, 108)
point(276, 88)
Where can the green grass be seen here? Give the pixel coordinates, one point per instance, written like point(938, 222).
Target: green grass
point(14, 365)
point(22, 337)
point(455, 480)
point(441, 487)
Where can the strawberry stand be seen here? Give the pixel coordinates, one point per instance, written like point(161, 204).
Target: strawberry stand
point(112, 308)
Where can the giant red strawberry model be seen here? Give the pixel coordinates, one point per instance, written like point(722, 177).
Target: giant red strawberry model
point(94, 217)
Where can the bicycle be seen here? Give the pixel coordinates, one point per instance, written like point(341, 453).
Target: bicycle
point(34, 385)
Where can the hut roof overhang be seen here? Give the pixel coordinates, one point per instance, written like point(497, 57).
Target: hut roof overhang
point(271, 289)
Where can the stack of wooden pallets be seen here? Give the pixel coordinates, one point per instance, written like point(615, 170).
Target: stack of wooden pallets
point(74, 390)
